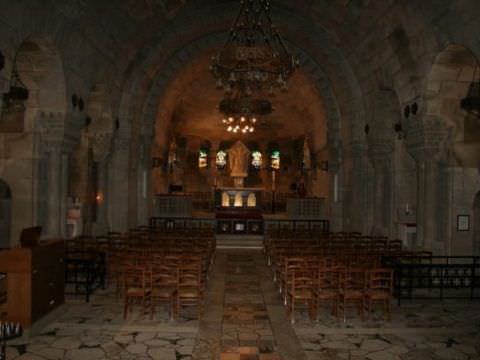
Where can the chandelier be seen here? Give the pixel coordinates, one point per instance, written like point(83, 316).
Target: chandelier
point(255, 56)
point(253, 59)
point(241, 112)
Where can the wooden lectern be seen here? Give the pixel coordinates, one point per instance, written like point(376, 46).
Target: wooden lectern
point(35, 278)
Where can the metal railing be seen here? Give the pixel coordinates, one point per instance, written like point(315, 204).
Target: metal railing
point(435, 277)
point(172, 223)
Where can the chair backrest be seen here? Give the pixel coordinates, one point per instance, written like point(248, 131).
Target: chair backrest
point(353, 279)
point(380, 279)
point(135, 276)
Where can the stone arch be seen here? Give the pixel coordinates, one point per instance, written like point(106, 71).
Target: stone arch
point(476, 225)
point(5, 214)
point(154, 67)
point(40, 67)
point(448, 83)
point(324, 54)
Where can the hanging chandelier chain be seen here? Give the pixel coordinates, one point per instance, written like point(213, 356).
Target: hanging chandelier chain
point(254, 58)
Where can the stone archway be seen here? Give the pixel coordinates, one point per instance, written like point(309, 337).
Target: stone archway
point(5, 214)
point(476, 225)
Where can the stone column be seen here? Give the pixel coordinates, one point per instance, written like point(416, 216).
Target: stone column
point(426, 201)
point(55, 185)
point(380, 152)
point(336, 183)
point(361, 214)
point(118, 184)
point(425, 140)
point(102, 144)
point(144, 189)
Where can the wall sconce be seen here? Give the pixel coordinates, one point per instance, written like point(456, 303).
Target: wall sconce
point(99, 198)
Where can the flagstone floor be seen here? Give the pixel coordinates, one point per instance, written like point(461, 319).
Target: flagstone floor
point(244, 319)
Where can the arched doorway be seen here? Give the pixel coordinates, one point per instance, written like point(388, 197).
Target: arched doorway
point(5, 214)
point(476, 225)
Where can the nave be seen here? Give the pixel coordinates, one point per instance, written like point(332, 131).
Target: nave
point(244, 317)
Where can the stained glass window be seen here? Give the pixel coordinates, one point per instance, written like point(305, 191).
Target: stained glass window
point(275, 160)
point(257, 159)
point(221, 159)
point(202, 159)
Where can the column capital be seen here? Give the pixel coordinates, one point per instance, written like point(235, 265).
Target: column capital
point(426, 137)
point(101, 146)
point(380, 150)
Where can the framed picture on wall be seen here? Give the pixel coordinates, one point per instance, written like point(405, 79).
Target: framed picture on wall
point(463, 222)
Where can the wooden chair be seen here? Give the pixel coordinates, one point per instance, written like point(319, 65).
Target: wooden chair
point(135, 287)
point(189, 289)
point(352, 286)
point(379, 289)
point(164, 283)
point(327, 287)
point(300, 291)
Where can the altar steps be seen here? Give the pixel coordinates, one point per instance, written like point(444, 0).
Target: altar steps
point(239, 242)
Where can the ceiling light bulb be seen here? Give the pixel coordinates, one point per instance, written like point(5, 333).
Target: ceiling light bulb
point(224, 121)
point(242, 119)
point(229, 129)
point(230, 119)
point(252, 129)
point(254, 120)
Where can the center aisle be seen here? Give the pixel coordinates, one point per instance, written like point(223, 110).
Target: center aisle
point(243, 316)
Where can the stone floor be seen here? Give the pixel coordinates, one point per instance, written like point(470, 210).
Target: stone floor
point(244, 319)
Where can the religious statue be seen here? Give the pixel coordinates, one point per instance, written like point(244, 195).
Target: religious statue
point(172, 153)
point(238, 156)
point(307, 162)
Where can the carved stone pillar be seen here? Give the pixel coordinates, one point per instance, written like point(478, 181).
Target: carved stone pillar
point(118, 183)
point(54, 188)
point(53, 145)
point(425, 142)
point(101, 146)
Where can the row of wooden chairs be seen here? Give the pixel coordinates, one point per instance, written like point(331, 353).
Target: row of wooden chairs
point(151, 267)
point(176, 285)
point(339, 287)
point(337, 268)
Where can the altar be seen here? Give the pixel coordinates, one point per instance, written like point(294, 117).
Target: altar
point(232, 198)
